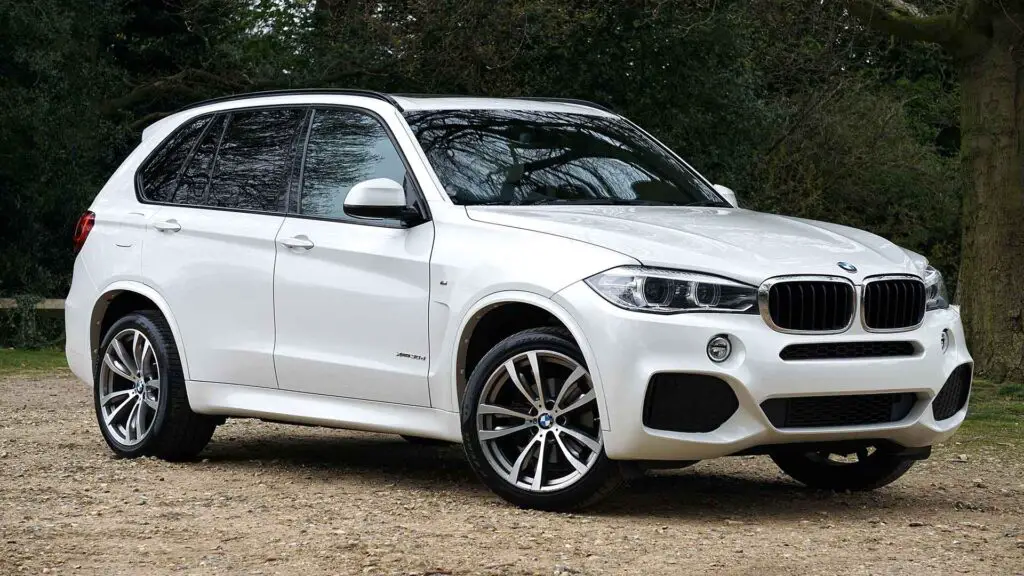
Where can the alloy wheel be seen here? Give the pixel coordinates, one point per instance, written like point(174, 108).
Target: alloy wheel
point(129, 387)
point(537, 421)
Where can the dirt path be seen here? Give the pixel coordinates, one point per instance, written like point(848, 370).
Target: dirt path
point(274, 499)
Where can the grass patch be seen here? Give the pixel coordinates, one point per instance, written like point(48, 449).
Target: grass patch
point(20, 361)
point(995, 416)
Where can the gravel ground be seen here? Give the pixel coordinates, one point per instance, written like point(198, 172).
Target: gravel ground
point(275, 499)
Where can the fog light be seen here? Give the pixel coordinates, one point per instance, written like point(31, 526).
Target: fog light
point(719, 348)
point(944, 339)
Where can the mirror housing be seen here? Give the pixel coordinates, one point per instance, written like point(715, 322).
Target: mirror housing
point(381, 198)
point(728, 194)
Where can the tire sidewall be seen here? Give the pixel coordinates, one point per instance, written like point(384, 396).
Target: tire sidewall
point(570, 497)
point(149, 329)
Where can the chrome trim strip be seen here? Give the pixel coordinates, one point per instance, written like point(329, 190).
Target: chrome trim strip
point(765, 287)
point(863, 295)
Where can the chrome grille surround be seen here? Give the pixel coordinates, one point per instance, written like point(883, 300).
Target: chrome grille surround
point(764, 292)
point(864, 303)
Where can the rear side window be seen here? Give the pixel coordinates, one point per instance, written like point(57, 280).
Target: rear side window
point(239, 160)
point(254, 160)
point(345, 147)
point(195, 178)
point(161, 174)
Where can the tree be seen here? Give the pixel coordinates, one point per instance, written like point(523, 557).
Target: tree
point(986, 40)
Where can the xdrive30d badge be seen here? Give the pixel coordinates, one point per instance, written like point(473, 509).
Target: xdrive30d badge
point(539, 280)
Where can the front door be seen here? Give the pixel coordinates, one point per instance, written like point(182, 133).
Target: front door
point(351, 294)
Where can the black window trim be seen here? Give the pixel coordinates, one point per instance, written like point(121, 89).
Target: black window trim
point(216, 155)
point(188, 158)
point(420, 202)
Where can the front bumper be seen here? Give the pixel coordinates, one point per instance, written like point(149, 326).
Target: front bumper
point(630, 347)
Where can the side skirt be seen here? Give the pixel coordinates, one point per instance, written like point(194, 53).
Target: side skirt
point(320, 410)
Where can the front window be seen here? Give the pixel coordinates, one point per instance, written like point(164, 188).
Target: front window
point(510, 157)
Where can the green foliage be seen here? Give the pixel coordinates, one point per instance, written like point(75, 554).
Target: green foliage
point(791, 102)
point(28, 361)
point(26, 327)
point(995, 415)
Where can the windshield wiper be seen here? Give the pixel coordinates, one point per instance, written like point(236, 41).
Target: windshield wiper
point(708, 204)
point(591, 202)
point(621, 202)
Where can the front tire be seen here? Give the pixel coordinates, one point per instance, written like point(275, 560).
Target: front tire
point(862, 471)
point(139, 392)
point(530, 424)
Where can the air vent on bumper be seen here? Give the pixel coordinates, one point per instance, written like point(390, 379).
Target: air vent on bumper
point(831, 411)
point(688, 402)
point(954, 393)
point(847, 350)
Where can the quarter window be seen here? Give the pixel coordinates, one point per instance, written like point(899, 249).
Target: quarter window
point(161, 174)
point(345, 147)
point(195, 178)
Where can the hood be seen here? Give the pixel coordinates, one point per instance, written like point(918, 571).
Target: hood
point(740, 244)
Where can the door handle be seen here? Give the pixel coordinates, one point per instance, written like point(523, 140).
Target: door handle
point(167, 226)
point(298, 242)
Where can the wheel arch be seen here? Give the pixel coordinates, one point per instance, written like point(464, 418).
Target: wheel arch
point(126, 296)
point(521, 301)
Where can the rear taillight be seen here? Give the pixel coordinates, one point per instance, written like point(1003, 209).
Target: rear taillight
point(82, 229)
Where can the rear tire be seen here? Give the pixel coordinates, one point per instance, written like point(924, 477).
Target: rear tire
point(542, 446)
point(824, 471)
point(139, 392)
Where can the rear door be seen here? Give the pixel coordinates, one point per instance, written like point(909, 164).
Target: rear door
point(210, 249)
point(351, 293)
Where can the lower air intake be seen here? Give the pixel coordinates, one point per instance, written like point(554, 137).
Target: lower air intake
point(831, 411)
point(954, 393)
point(845, 350)
point(688, 402)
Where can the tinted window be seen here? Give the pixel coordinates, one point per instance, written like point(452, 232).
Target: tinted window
point(195, 178)
point(160, 176)
point(345, 147)
point(254, 160)
point(532, 157)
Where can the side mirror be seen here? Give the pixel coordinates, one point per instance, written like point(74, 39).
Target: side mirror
point(728, 194)
point(380, 198)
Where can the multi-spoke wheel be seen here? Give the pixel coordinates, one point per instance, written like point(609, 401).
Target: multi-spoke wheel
point(866, 468)
point(129, 387)
point(141, 402)
point(531, 425)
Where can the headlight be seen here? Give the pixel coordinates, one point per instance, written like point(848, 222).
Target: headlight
point(934, 290)
point(672, 291)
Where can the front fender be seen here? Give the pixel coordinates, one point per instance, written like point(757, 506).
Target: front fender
point(483, 305)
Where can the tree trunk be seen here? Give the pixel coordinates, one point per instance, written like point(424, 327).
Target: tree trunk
point(991, 283)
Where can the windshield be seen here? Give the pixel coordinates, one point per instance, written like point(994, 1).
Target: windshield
point(529, 157)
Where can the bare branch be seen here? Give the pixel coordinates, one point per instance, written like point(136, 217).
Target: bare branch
point(905, 21)
point(147, 120)
point(188, 81)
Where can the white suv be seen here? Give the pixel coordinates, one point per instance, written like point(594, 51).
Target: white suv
point(540, 280)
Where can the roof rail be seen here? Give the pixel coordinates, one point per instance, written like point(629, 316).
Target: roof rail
point(298, 91)
point(576, 101)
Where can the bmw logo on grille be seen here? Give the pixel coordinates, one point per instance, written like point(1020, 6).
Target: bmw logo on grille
point(847, 266)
